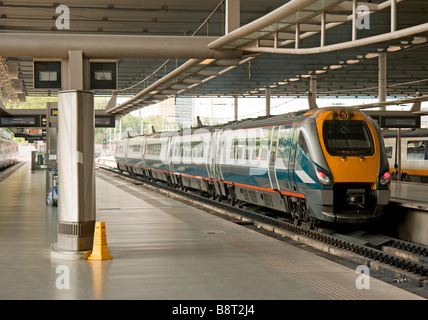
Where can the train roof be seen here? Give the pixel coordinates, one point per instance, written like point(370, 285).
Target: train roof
point(263, 121)
point(274, 120)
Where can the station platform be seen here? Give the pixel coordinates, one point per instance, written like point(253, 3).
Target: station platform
point(407, 216)
point(410, 194)
point(162, 249)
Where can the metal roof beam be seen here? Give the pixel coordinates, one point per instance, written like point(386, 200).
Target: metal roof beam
point(123, 46)
point(423, 28)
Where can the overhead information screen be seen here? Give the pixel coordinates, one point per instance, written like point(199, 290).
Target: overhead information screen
point(104, 121)
point(37, 121)
point(47, 74)
point(410, 122)
point(20, 121)
point(103, 75)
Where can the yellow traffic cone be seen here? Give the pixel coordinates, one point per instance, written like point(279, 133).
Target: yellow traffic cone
point(100, 250)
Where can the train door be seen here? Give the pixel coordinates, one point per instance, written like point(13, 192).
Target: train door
point(220, 156)
point(170, 150)
point(282, 160)
point(210, 159)
point(272, 160)
point(291, 172)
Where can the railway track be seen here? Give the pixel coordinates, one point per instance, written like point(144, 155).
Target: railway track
point(405, 261)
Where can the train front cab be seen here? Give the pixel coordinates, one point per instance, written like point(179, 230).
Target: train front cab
point(353, 171)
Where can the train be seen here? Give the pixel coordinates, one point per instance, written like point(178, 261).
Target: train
point(8, 150)
point(414, 154)
point(317, 165)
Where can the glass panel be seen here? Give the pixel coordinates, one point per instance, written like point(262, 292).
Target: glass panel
point(347, 138)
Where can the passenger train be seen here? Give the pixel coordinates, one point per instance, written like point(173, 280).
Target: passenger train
point(414, 154)
point(326, 164)
point(8, 150)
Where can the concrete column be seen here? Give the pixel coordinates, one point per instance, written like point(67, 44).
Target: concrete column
point(76, 175)
point(233, 15)
point(297, 37)
point(235, 107)
point(382, 78)
point(393, 15)
point(312, 94)
point(323, 29)
point(268, 101)
point(354, 19)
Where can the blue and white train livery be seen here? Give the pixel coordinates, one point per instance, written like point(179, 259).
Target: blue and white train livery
point(325, 164)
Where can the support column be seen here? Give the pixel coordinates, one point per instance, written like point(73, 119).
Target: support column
point(312, 94)
point(233, 15)
point(76, 175)
point(268, 101)
point(297, 37)
point(382, 78)
point(393, 15)
point(323, 29)
point(235, 107)
point(354, 19)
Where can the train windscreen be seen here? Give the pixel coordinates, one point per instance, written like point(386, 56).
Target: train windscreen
point(347, 138)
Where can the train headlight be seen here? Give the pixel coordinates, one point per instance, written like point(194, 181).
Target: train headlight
point(385, 178)
point(322, 177)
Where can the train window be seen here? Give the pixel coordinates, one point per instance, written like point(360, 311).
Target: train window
point(416, 150)
point(197, 149)
point(284, 144)
point(153, 149)
point(178, 149)
point(220, 148)
point(255, 146)
point(136, 148)
point(347, 138)
point(303, 143)
point(265, 144)
point(239, 148)
point(389, 152)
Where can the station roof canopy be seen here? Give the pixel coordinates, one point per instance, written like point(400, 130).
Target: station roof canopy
point(169, 48)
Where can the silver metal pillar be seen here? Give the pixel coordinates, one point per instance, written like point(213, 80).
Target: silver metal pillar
point(268, 101)
point(393, 15)
point(382, 78)
point(235, 107)
point(297, 37)
point(312, 93)
point(354, 19)
point(323, 28)
point(76, 175)
point(76, 205)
